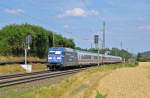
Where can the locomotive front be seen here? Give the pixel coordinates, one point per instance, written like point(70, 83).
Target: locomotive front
point(55, 57)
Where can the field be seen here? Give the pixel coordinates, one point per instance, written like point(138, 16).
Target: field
point(15, 58)
point(16, 68)
point(82, 85)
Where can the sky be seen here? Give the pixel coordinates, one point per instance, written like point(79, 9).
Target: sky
point(127, 21)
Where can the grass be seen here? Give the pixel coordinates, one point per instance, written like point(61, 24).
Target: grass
point(98, 95)
point(9, 69)
point(39, 67)
point(67, 85)
point(21, 58)
point(146, 65)
point(16, 68)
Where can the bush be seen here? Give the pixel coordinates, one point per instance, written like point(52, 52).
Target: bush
point(98, 95)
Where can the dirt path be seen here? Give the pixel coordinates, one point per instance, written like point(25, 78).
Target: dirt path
point(121, 83)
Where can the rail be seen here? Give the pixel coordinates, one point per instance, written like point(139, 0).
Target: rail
point(10, 80)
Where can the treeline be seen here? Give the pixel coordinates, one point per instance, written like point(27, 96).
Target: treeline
point(12, 38)
point(114, 51)
point(143, 57)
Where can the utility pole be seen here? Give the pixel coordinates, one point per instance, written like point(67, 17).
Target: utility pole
point(121, 45)
point(103, 41)
point(91, 45)
point(98, 54)
point(103, 35)
point(96, 42)
point(53, 40)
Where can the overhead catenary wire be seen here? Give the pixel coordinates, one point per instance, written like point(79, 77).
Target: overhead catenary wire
point(99, 19)
point(88, 8)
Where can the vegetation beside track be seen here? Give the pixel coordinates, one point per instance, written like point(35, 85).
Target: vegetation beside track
point(143, 57)
point(16, 68)
point(71, 86)
point(13, 37)
point(9, 69)
point(16, 58)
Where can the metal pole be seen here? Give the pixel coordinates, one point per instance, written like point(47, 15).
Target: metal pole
point(27, 42)
point(25, 56)
point(121, 45)
point(53, 40)
point(103, 42)
point(104, 34)
point(98, 56)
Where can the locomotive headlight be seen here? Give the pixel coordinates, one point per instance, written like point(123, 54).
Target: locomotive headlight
point(49, 57)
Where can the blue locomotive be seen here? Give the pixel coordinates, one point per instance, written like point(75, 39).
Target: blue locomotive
point(63, 57)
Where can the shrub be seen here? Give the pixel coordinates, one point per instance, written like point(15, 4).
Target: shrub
point(98, 95)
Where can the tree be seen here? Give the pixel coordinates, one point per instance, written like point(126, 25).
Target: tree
point(138, 56)
point(13, 36)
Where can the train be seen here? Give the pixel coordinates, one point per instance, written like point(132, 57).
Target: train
point(59, 57)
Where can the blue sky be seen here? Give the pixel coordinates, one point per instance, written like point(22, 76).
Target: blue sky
point(127, 21)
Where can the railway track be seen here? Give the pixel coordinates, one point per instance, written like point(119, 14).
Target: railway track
point(10, 80)
point(20, 75)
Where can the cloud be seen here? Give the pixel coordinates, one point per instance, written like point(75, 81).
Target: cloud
point(14, 11)
point(144, 27)
point(111, 3)
point(78, 12)
point(66, 26)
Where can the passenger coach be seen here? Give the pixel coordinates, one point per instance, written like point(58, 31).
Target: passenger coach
point(62, 57)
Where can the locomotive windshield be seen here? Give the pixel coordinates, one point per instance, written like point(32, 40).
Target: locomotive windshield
point(55, 52)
